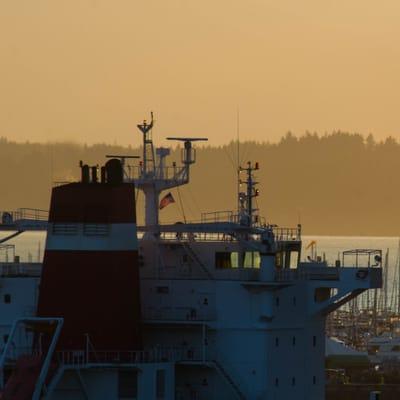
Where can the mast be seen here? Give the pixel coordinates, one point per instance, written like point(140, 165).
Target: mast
point(398, 280)
point(385, 288)
point(238, 161)
point(148, 148)
point(155, 177)
point(246, 209)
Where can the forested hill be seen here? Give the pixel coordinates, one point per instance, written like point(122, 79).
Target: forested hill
point(338, 184)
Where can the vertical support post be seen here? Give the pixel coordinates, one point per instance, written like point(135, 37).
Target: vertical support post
point(203, 343)
point(6, 350)
point(87, 347)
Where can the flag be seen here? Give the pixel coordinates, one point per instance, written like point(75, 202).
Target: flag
point(167, 199)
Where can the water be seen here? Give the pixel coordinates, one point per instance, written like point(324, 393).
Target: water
point(30, 247)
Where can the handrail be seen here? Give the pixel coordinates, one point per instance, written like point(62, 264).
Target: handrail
point(179, 314)
point(20, 269)
point(82, 358)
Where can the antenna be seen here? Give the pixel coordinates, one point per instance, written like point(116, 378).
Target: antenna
point(148, 148)
point(186, 139)
point(120, 157)
point(144, 127)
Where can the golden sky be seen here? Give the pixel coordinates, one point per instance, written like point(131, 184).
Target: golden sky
point(89, 70)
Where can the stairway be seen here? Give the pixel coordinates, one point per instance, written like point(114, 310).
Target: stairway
point(239, 394)
point(21, 384)
point(196, 258)
point(31, 372)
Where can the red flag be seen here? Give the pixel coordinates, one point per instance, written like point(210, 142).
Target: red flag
point(167, 199)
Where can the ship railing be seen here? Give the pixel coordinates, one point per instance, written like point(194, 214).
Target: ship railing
point(20, 269)
point(31, 214)
point(230, 216)
point(163, 173)
point(189, 314)
point(218, 216)
point(81, 358)
point(16, 352)
point(281, 234)
point(5, 250)
point(287, 234)
point(196, 237)
point(311, 273)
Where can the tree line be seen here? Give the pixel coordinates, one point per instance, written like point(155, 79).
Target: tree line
point(333, 184)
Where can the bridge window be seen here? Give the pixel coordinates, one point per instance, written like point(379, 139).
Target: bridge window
point(251, 259)
point(163, 289)
point(7, 298)
point(226, 259)
point(314, 341)
point(293, 381)
point(5, 338)
point(294, 259)
point(294, 340)
point(223, 259)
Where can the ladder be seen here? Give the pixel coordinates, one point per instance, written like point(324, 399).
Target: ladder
point(192, 254)
point(222, 371)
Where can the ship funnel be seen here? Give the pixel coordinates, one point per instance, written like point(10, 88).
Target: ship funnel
point(90, 271)
point(114, 172)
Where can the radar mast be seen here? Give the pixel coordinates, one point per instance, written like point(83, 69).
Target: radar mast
point(154, 175)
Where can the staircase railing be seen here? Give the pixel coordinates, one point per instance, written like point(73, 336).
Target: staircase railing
point(192, 254)
point(228, 377)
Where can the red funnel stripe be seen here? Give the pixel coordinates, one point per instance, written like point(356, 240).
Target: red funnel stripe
point(90, 270)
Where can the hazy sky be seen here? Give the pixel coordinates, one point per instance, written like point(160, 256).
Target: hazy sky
point(89, 70)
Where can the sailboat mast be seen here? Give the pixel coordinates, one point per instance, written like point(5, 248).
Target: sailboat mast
point(398, 279)
point(238, 160)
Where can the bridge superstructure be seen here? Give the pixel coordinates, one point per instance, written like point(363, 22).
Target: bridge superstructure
point(229, 308)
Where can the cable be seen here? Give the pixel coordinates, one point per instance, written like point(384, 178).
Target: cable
point(181, 204)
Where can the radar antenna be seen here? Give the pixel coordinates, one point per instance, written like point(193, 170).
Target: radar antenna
point(188, 153)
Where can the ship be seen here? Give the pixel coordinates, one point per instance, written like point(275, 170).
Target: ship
point(221, 308)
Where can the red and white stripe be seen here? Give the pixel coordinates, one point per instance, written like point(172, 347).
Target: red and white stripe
point(90, 270)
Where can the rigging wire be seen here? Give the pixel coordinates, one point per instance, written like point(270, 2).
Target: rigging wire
point(229, 157)
point(194, 200)
point(181, 204)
